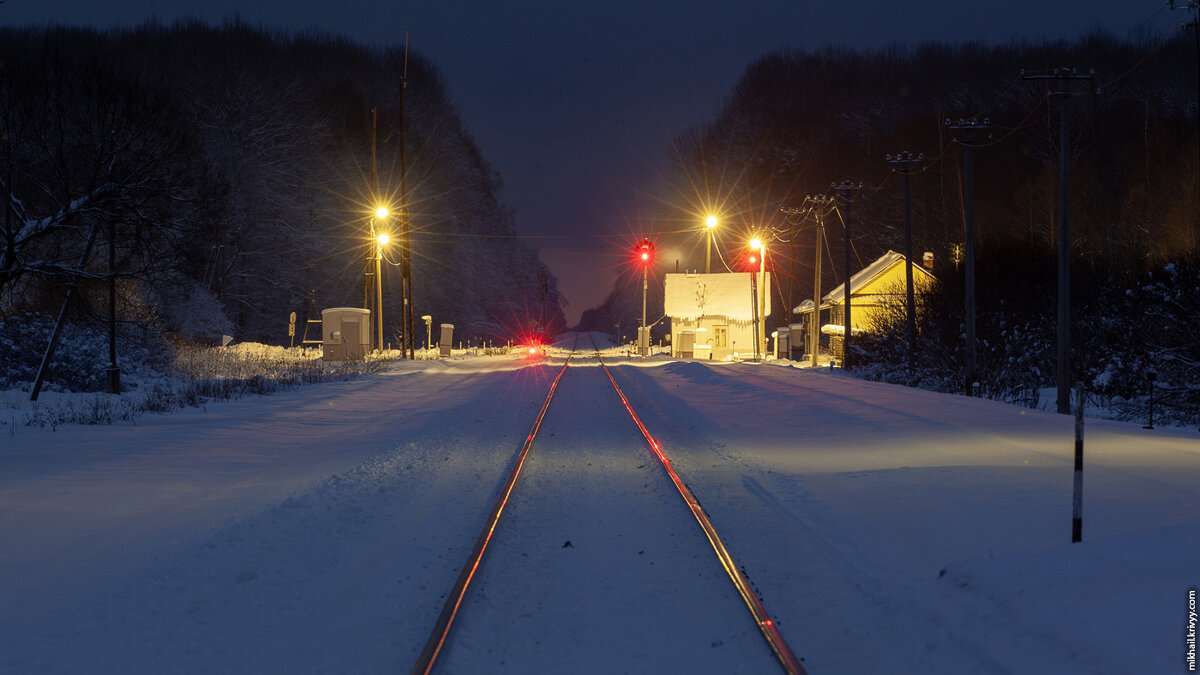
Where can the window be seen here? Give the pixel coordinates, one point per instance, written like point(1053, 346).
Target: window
point(720, 336)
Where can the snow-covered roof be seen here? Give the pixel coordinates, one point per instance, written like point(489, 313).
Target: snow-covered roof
point(688, 296)
point(861, 278)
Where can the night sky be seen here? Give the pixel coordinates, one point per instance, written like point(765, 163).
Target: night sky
point(574, 103)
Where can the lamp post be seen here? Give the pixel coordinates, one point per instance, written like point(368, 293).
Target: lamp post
point(760, 346)
point(381, 240)
point(710, 224)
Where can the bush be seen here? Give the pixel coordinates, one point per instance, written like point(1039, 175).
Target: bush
point(154, 380)
point(1119, 334)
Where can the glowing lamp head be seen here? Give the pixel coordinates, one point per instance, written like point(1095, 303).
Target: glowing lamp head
point(753, 260)
point(756, 243)
point(383, 239)
point(381, 212)
point(710, 222)
point(533, 350)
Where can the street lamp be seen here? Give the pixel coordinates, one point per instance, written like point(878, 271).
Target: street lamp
point(760, 346)
point(710, 224)
point(381, 240)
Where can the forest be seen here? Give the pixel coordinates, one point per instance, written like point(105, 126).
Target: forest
point(799, 121)
point(221, 177)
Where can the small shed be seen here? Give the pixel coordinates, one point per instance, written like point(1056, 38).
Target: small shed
point(446, 340)
point(345, 333)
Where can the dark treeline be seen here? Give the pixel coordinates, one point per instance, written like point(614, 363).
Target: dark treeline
point(798, 121)
point(231, 168)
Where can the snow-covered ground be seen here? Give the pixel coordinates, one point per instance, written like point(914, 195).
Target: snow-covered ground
point(318, 530)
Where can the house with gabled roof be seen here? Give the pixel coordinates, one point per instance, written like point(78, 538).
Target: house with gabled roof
point(871, 288)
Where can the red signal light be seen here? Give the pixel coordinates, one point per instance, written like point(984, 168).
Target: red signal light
point(645, 251)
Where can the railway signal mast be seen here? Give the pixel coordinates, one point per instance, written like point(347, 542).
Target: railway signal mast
point(645, 254)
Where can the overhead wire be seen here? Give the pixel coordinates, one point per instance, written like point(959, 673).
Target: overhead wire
point(721, 257)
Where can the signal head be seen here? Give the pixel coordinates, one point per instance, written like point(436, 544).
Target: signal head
point(645, 251)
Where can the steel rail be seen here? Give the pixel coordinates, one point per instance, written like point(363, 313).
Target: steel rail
point(441, 630)
point(765, 624)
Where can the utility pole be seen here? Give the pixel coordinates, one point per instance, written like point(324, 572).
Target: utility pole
point(847, 190)
point(405, 227)
point(814, 331)
point(1063, 79)
point(114, 373)
point(376, 247)
point(818, 206)
point(62, 313)
point(543, 289)
point(754, 313)
point(379, 292)
point(905, 163)
point(369, 267)
point(967, 130)
point(1194, 26)
point(710, 223)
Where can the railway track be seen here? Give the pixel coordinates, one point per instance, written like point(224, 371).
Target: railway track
point(440, 635)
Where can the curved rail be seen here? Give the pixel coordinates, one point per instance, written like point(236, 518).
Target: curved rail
point(437, 638)
point(765, 624)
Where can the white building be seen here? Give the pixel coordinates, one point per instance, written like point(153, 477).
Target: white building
point(712, 315)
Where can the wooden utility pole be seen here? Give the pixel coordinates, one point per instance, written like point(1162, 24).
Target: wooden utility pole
point(754, 317)
point(405, 225)
point(847, 190)
point(966, 136)
point(62, 313)
point(1077, 493)
point(1194, 26)
point(905, 163)
point(1063, 79)
point(819, 206)
point(369, 269)
point(376, 246)
point(113, 379)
